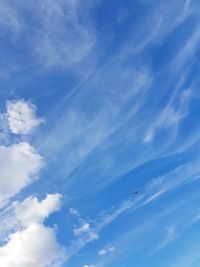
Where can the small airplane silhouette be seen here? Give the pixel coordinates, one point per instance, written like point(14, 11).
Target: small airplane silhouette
point(136, 192)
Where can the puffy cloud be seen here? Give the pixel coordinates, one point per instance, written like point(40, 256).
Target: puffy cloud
point(19, 164)
point(33, 244)
point(31, 210)
point(25, 240)
point(21, 117)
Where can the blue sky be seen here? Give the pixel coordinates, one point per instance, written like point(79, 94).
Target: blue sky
point(99, 133)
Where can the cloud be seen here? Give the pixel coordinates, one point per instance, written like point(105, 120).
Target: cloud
point(92, 236)
point(170, 235)
point(188, 257)
point(102, 252)
point(32, 210)
point(83, 229)
point(65, 36)
point(153, 191)
point(143, 232)
point(19, 164)
point(21, 117)
point(10, 19)
point(84, 232)
point(157, 188)
point(171, 116)
point(59, 33)
point(74, 212)
point(33, 244)
point(106, 250)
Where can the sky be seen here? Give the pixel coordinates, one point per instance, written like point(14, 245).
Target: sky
point(99, 133)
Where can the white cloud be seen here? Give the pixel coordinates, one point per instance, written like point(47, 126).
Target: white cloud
point(86, 265)
point(102, 252)
point(21, 117)
point(106, 250)
point(74, 212)
point(85, 227)
point(33, 244)
point(31, 210)
point(19, 165)
point(111, 249)
point(92, 236)
point(84, 232)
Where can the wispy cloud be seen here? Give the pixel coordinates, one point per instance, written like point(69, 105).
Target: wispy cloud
point(10, 19)
point(170, 235)
point(188, 257)
point(61, 34)
point(124, 111)
point(125, 97)
point(66, 36)
point(171, 115)
point(158, 187)
point(143, 235)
